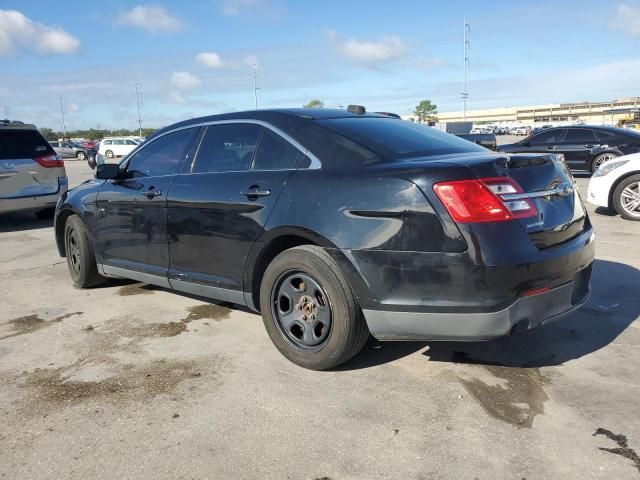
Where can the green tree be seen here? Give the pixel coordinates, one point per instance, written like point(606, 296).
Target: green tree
point(426, 111)
point(314, 104)
point(49, 134)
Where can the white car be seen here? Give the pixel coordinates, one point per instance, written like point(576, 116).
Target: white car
point(116, 147)
point(616, 184)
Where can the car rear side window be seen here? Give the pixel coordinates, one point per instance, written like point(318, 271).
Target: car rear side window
point(275, 153)
point(18, 144)
point(549, 137)
point(579, 135)
point(398, 138)
point(227, 148)
point(162, 156)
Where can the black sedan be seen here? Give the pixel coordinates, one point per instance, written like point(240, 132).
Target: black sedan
point(336, 225)
point(584, 147)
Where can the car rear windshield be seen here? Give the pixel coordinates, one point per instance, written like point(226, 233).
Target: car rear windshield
point(399, 138)
point(17, 144)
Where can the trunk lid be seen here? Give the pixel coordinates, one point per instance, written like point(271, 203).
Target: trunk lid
point(546, 182)
point(20, 174)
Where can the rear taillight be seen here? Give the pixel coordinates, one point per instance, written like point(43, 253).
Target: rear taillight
point(476, 201)
point(49, 160)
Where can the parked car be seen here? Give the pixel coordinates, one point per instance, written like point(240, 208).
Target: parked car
point(583, 147)
point(112, 147)
point(69, 149)
point(89, 145)
point(521, 131)
point(32, 175)
point(335, 225)
point(616, 186)
point(486, 140)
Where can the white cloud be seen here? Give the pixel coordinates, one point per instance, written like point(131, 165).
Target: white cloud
point(176, 97)
point(387, 49)
point(72, 107)
point(253, 9)
point(185, 81)
point(151, 18)
point(628, 20)
point(209, 59)
point(19, 31)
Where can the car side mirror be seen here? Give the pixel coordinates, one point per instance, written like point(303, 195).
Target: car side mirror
point(107, 171)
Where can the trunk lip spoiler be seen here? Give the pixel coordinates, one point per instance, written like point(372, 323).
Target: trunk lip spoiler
point(563, 189)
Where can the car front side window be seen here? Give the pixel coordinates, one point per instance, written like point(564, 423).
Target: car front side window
point(162, 156)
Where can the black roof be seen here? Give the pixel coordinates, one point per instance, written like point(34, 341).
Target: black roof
point(276, 116)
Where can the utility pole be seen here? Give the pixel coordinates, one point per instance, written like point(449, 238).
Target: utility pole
point(138, 87)
point(255, 87)
point(467, 44)
point(64, 127)
point(6, 112)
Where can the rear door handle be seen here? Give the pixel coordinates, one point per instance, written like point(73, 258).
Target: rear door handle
point(588, 146)
point(551, 147)
point(255, 192)
point(152, 192)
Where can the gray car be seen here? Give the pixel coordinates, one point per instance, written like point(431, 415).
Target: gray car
point(32, 174)
point(67, 149)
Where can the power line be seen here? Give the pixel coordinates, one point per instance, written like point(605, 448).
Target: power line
point(466, 45)
point(139, 104)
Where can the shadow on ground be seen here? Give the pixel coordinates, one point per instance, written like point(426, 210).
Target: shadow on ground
point(21, 221)
point(612, 308)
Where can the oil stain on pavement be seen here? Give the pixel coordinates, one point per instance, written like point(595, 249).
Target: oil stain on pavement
point(623, 446)
point(136, 289)
point(516, 399)
point(33, 323)
point(210, 311)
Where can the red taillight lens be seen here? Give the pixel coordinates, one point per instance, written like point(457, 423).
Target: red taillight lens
point(49, 160)
point(477, 201)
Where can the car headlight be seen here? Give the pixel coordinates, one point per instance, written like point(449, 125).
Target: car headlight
point(609, 166)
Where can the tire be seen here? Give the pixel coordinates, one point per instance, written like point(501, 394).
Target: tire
point(81, 156)
point(308, 271)
point(92, 163)
point(108, 154)
point(600, 159)
point(46, 214)
point(80, 258)
point(625, 196)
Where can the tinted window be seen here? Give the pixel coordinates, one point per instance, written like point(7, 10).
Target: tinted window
point(118, 142)
point(604, 135)
point(107, 142)
point(227, 148)
point(54, 144)
point(131, 142)
point(162, 156)
point(275, 153)
point(550, 136)
point(16, 144)
point(579, 135)
point(399, 139)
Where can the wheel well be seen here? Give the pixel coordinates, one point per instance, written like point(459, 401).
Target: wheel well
point(61, 221)
point(617, 182)
point(268, 253)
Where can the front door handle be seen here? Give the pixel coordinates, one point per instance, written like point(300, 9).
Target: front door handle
point(152, 192)
point(588, 146)
point(255, 191)
point(551, 147)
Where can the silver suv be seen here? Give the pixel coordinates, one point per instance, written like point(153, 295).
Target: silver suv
point(32, 174)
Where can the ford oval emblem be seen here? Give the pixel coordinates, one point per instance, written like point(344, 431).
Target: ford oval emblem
point(564, 189)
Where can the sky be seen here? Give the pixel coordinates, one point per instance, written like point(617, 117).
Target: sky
point(193, 58)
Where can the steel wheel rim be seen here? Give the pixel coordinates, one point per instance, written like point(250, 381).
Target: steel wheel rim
point(81, 156)
point(630, 199)
point(73, 251)
point(605, 157)
point(301, 311)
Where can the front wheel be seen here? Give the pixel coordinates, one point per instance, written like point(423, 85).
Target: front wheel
point(80, 258)
point(600, 159)
point(309, 309)
point(109, 154)
point(626, 198)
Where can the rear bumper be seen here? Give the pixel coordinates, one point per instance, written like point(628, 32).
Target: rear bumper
point(524, 313)
point(36, 202)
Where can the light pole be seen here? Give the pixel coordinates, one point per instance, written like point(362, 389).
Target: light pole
point(138, 87)
point(465, 94)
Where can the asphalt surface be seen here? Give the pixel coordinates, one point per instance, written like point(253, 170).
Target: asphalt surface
point(133, 381)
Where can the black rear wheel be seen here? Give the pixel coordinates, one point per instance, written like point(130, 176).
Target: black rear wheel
point(309, 310)
point(80, 258)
